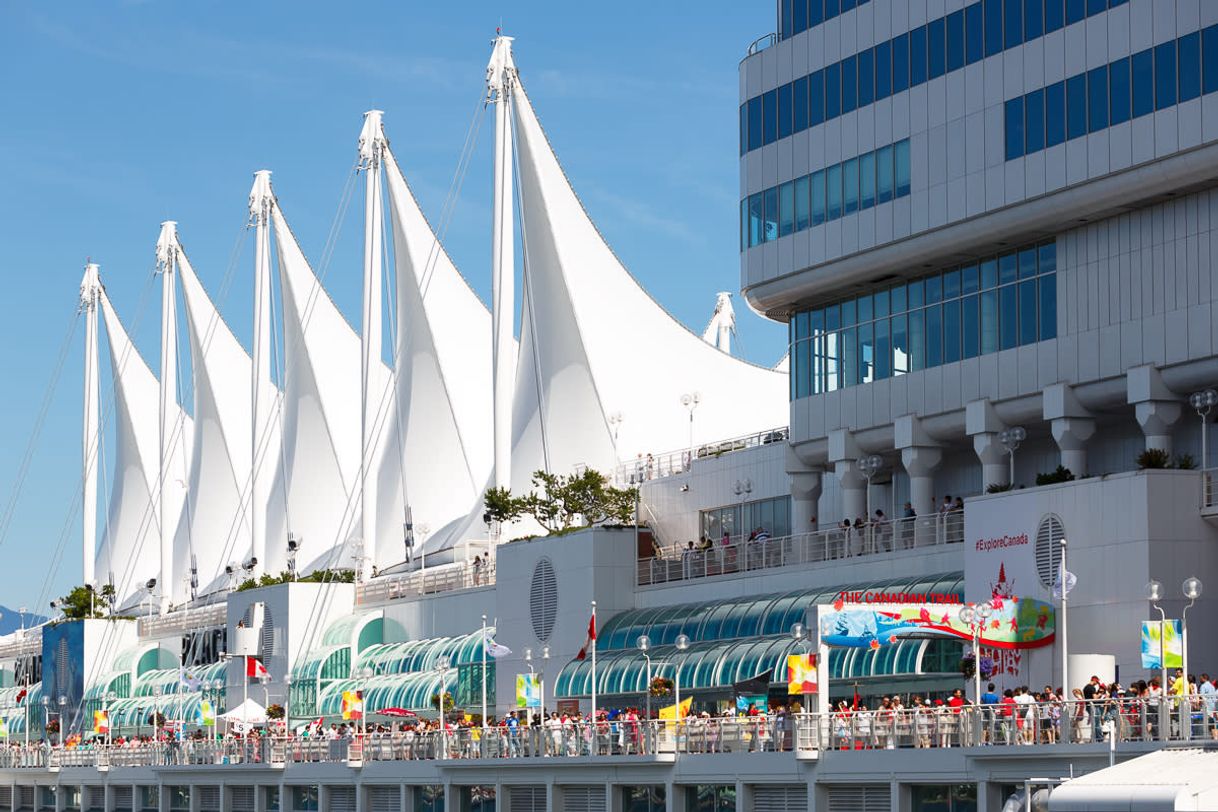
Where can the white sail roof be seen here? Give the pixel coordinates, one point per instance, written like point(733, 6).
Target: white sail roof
point(443, 387)
point(594, 344)
point(129, 548)
point(215, 528)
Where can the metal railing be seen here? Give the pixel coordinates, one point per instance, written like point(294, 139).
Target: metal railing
point(183, 620)
point(1078, 723)
point(426, 582)
point(671, 463)
point(761, 43)
point(833, 544)
point(1209, 488)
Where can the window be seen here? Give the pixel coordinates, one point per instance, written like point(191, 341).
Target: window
point(744, 128)
point(989, 321)
point(993, 27)
point(755, 123)
point(866, 82)
point(951, 331)
point(1142, 67)
point(710, 798)
point(786, 209)
point(917, 340)
point(1190, 66)
point(969, 327)
point(816, 12)
point(799, 23)
point(1008, 321)
point(944, 797)
point(955, 40)
point(900, 63)
point(1076, 106)
point(769, 227)
point(833, 91)
point(1014, 128)
point(816, 98)
point(1165, 75)
point(1118, 91)
point(934, 336)
point(850, 182)
point(1048, 306)
point(902, 168)
point(917, 56)
point(883, 70)
point(900, 345)
point(819, 214)
point(785, 24)
point(936, 43)
point(756, 216)
point(646, 799)
point(304, 799)
point(1027, 263)
point(1075, 11)
point(784, 111)
point(974, 43)
point(1097, 99)
point(885, 183)
point(1055, 15)
point(1034, 122)
point(799, 104)
point(1209, 55)
point(1096, 6)
point(883, 351)
point(834, 181)
point(867, 180)
point(1033, 19)
point(850, 84)
point(1014, 23)
point(1055, 114)
point(866, 352)
point(769, 109)
point(802, 210)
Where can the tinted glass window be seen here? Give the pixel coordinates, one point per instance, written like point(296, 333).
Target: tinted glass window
point(989, 321)
point(936, 36)
point(955, 40)
point(1118, 90)
point(1048, 306)
point(786, 25)
point(1165, 75)
point(917, 56)
point(816, 15)
point(818, 199)
point(1034, 121)
point(1008, 269)
point(1055, 14)
point(770, 226)
point(799, 22)
point(867, 181)
point(832, 8)
point(1014, 128)
point(769, 107)
point(744, 128)
point(784, 111)
point(1075, 11)
point(1097, 98)
point(1014, 23)
point(850, 186)
point(1076, 106)
point(1142, 68)
point(900, 63)
point(1209, 53)
point(1008, 326)
point(1027, 312)
point(969, 280)
point(834, 180)
point(993, 27)
point(786, 209)
point(1096, 6)
point(1055, 114)
point(1033, 19)
point(802, 203)
point(883, 70)
point(934, 336)
point(833, 91)
point(903, 169)
point(755, 133)
point(974, 32)
point(756, 216)
point(850, 84)
point(951, 331)
point(885, 183)
point(969, 327)
point(816, 98)
point(1190, 66)
point(866, 68)
point(799, 104)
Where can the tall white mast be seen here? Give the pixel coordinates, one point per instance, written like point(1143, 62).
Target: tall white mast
point(261, 386)
point(371, 146)
point(167, 260)
point(500, 77)
point(90, 287)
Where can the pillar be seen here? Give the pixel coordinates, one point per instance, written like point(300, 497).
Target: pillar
point(1156, 407)
point(920, 455)
point(806, 487)
point(983, 425)
point(1072, 426)
point(844, 453)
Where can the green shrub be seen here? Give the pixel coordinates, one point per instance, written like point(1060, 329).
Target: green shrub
point(1155, 458)
point(1059, 474)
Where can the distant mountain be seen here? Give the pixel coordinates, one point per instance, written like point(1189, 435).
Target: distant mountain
point(10, 620)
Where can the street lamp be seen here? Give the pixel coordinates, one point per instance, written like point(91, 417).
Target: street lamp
point(365, 674)
point(441, 669)
point(644, 645)
point(1202, 402)
point(870, 466)
point(62, 702)
point(287, 703)
point(743, 488)
point(1010, 439)
point(975, 616)
point(690, 401)
point(682, 643)
point(1192, 590)
point(157, 691)
point(110, 697)
point(1154, 594)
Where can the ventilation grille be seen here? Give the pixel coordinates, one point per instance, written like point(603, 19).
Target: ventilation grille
point(209, 799)
point(543, 600)
point(866, 798)
point(342, 799)
point(781, 799)
point(25, 797)
point(122, 799)
point(241, 799)
point(527, 799)
point(384, 799)
point(1048, 549)
point(94, 799)
point(6, 796)
point(583, 799)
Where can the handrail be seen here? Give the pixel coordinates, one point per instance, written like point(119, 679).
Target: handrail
point(761, 43)
point(215, 614)
point(671, 463)
point(1073, 722)
point(426, 582)
point(744, 555)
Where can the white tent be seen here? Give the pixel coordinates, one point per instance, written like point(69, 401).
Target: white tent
point(248, 712)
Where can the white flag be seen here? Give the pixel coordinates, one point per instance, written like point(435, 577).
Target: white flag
point(187, 681)
point(493, 649)
point(1064, 583)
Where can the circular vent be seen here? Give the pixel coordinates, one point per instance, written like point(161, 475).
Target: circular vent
point(543, 600)
point(1048, 548)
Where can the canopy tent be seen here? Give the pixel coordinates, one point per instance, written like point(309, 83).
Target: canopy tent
point(248, 712)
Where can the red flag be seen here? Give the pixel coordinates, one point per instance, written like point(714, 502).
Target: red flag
point(855, 705)
point(583, 652)
point(20, 696)
point(255, 669)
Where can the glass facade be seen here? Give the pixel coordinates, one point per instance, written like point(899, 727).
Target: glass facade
point(983, 307)
point(711, 798)
point(771, 515)
point(797, 16)
point(943, 798)
point(827, 194)
point(1131, 87)
point(645, 799)
point(943, 45)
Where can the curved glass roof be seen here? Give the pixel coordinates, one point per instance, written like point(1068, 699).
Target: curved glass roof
point(410, 691)
point(343, 630)
point(329, 662)
point(735, 618)
point(170, 681)
point(129, 714)
point(421, 655)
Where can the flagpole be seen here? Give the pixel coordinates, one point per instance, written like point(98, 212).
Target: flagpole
point(484, 671)
point(594, 675)
point(1064, 576)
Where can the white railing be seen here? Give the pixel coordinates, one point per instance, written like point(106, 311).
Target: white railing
point(26, 641)
point(1209, 488)
point(833, 544)
point(448, 578)
point(183, 620)
point(671, 463)
point(1108, 721)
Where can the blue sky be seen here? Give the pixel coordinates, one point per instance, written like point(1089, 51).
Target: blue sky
point(117, 116)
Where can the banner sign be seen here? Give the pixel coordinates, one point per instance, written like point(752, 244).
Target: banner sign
point(528, 691)
point(1173, 647)
point(1016, 623)
point(801, 674)
point(761, 702)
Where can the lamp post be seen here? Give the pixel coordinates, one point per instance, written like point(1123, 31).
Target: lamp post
point(1154, 594)
point(1202, 402)
point(62, 702)
point(441, 669)
point(682, 643)
point(975, 616)
point(742, 488)
point(644, 645)
point(46, 719)
point(1192, 590)
point(287, 704)
point(1010, 439)
point(870, 465)
point(690, 401)
point(365, 674)
point(157, 690)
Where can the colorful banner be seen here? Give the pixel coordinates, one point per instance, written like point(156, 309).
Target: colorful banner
point(101, 722)
point(1016, 623)
point(205, 714)
point(3, 727)
point(670, 713)
point(1173, 643)
point(528, 691)
point(761, 702)
point(801, 674)
point(353, 705)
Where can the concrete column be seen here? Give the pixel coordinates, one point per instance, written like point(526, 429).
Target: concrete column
point(983, 425)
point(1072, 434)
point(806, 487)
point(854, 488)
point(1156, 407)
point(920, 463)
